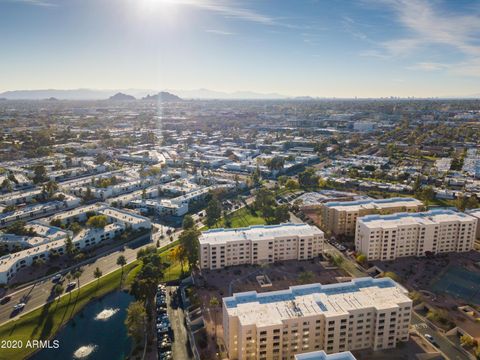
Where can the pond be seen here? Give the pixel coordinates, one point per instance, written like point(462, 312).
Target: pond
point(97, 332)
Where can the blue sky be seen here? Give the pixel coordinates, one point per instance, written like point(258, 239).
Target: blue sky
point(364, 48)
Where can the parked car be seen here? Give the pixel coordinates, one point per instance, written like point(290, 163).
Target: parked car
point(165, 355)
point(5, 299)
point(18, 306)
point(57, 278)
point(431, 339)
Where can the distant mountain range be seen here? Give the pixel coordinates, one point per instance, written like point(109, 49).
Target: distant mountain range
point(144, 94)
point(212, 94)
point(121, 97)
point(162, 96)
point(93, 94)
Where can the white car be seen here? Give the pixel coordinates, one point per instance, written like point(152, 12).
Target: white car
point(56, 277)
point(430, 338)
point(19, 306)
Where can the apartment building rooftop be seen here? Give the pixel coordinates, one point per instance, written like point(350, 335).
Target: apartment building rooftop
point(373, 203)
point(270, 308)
point(322, 355)
point(427, 217)
point(257, 232)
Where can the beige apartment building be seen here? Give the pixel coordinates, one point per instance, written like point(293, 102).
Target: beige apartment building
point(392, 236)
point(259, 244)
point(476, 213)
point(340, 217)
point(360, 314)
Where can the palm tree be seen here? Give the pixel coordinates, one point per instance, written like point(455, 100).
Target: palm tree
point(97, 274)
point(76, 275)
point(214, 303)
point(121, 261)
point(57, 290)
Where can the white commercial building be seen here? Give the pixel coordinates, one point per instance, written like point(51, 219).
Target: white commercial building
point(388, 237)
point(360, 314)
point(259, 244)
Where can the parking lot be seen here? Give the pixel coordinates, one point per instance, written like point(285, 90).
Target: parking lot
point(172, 341)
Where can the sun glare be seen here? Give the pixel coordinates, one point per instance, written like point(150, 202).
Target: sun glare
point(164, 10)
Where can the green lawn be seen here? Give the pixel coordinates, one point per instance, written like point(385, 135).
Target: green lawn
point(240, 218)
point(174, 269)
point(44, 322)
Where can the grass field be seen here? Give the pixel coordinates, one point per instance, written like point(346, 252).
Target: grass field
point(44, 322)
point(240, 218)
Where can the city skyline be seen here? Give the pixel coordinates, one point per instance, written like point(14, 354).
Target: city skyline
point(372, 48)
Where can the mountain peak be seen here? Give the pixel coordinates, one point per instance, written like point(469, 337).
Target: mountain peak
point(162, 96)
point(121, 97)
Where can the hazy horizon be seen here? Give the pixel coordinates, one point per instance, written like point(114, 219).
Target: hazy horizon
point(343, 49)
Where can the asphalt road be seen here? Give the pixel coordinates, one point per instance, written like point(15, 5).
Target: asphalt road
point(441, 343)
point(37, 294)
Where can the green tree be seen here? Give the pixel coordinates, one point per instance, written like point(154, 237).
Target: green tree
point(276, 163)
point(39, 174)
point(189, 240)
point(57, 291)
point(214, 305)
point(461, 202)
point(76, 274)
point(188, 222)
point(97, 221)
point(472, 202)
point(136, 321)
point(282, 214)
point(97, 274)
point(213, 211)
point(307, 179)
point(264, 201)
point(121, 261)
point(70, 249)
point(291, 184)
point(6, 185)
point(361, 258)
point(256, 177)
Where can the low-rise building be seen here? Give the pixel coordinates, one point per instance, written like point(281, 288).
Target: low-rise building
point(387, 237)
point(340, 217)
point(259, 244)
point(360, 314)
point(119, 222)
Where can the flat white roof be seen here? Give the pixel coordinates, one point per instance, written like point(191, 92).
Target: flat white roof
point(271, 308)
point(425, 218)
point(258, 232)
point(373, 204)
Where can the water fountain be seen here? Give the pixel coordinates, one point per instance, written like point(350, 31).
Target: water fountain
point(84, 351)
point(106, 314)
